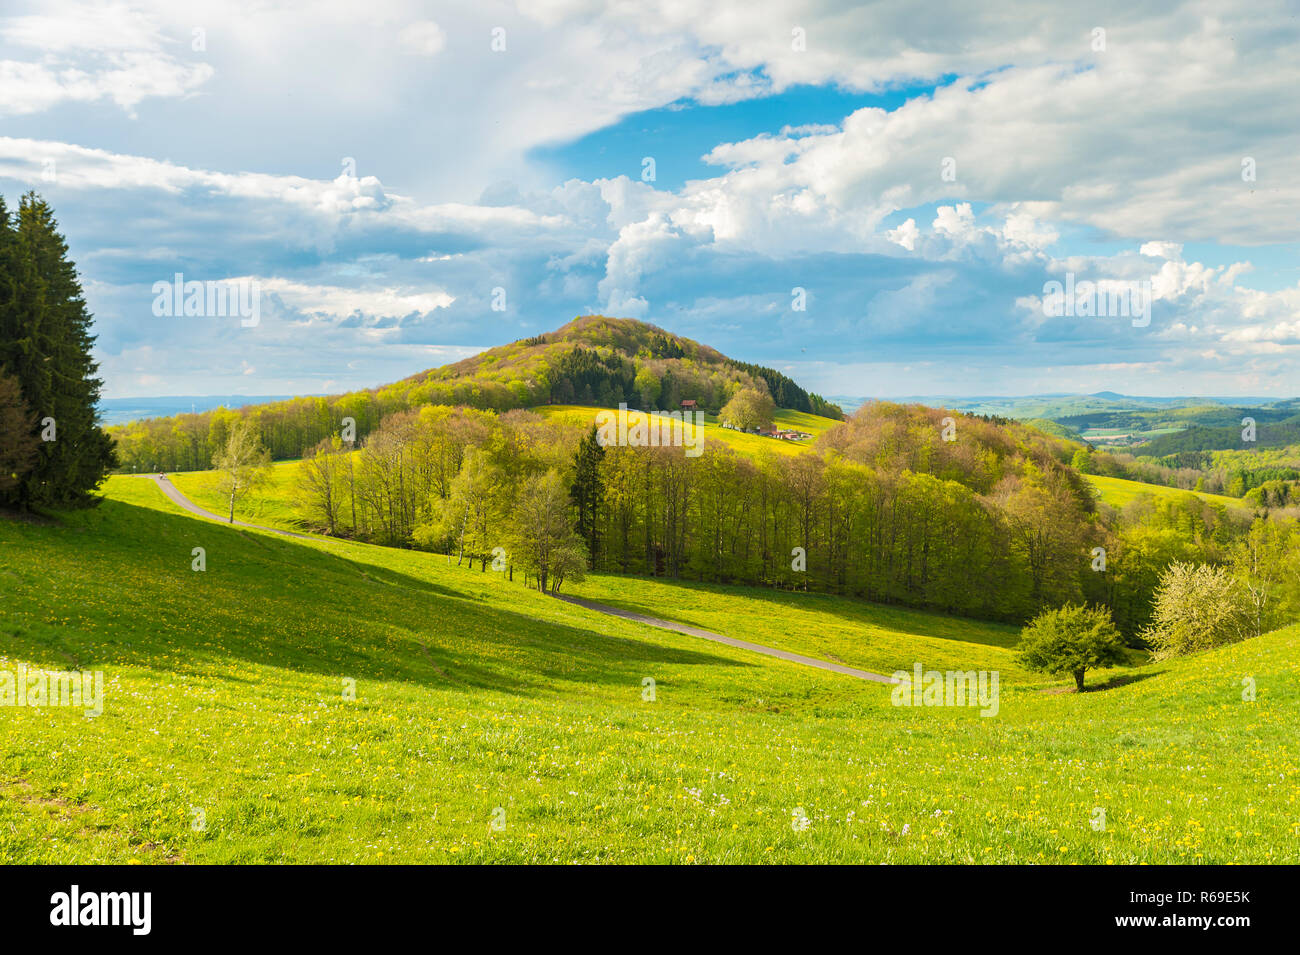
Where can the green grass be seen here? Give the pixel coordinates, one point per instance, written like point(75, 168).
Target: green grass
point(224, 694)
point(853, 632)
point(751, 445)
point(1117, 491)
point(270, 506)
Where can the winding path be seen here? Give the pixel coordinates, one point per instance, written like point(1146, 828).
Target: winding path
point(729, 641)
point(180, 500)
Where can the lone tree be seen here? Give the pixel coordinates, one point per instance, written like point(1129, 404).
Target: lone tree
point(243, 462)
point(1071, 639)
point(45, 343)
point(18, 442)
point(749, 409)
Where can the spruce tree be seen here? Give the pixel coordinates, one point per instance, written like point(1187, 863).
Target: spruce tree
point(18, 441)
point(45, 341)
point(587, 489)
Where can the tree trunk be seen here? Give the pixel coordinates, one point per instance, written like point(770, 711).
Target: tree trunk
point(232, 505)
point(1078, 680)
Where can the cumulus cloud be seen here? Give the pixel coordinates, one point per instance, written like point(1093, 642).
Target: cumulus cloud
point(927, 228)
point(88, 53)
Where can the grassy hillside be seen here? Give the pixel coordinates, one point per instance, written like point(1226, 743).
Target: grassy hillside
point(473, 695)
point(272, 505)
point(1117, 491)
point(854, 632)
point(749, 444)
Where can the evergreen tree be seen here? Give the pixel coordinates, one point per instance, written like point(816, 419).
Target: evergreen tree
point(45, 341)
point(588, 489)
point(18, 441)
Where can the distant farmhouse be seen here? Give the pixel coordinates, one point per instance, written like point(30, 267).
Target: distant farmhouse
point(688, 404)
point(771, 431)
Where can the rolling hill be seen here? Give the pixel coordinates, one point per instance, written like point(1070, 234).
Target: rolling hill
point(492, 723)
point(592, 360)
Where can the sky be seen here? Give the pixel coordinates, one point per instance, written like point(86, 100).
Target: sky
point(872, 198)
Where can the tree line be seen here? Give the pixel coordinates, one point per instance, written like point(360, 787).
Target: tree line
point(972, 517)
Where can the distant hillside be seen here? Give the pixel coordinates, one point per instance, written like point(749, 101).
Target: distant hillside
point(1268, 434)
point(123, 410)
point(1055, 429)
point(593, 360)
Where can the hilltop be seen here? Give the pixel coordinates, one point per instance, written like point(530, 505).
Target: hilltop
point(592, 360)
point(596, 360)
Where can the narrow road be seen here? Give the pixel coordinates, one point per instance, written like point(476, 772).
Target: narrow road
point(729, 641)
point(180, 500)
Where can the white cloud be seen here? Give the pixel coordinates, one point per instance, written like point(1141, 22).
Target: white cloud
point(424, 38)
point(340, 302)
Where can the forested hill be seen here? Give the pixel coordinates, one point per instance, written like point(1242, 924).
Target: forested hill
point(1267, 434)
point(595, 360)
point(592, 360)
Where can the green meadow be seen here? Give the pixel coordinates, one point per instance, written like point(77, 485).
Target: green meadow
point(491, 723)
point(1118, 491)
point(711, 426)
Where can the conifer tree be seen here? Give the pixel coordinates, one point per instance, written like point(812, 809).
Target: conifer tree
point(45, 342)
point(588, 488)
point(18, 439)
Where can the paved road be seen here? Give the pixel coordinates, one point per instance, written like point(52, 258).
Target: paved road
point(729, 641)
point(184, 502)
point(180, 500)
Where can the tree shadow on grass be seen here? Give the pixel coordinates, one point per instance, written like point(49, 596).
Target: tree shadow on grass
point(1121, 679)
point(854, 610)
point(116, 588)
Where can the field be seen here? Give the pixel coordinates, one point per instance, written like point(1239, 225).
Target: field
point(1121, 437)
point(272, 505)
point(1117, 491)
point(750, 444)
point(226, 735)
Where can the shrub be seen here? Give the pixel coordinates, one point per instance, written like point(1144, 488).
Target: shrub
point(1196, 607)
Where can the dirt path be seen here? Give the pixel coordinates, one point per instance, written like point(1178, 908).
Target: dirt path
point(184, 502)
point(729, 641)
point(180, 500)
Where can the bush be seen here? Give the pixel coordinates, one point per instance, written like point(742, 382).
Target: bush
point(1071, 639)
point(1197, 607)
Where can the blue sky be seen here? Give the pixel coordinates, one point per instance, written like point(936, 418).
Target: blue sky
point(679, 135)
point(383, 173)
